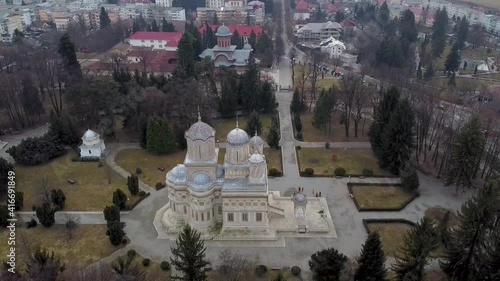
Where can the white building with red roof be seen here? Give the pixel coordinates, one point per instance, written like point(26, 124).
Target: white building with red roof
point(167, 41)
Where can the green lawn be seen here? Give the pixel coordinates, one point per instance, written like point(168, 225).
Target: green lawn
point(391, 235)
point(337, 134)
point(130, 159)
point(352, 160)
point(224, 126)
point(92, 191)
point(88, 244)
point(381, 197)
point(273, 157)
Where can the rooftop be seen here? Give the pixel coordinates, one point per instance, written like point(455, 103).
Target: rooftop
point(150, 35)
point(243, 30)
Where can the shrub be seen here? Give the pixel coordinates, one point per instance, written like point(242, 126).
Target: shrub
point(124, 241)
point(367, 172)
point(131, 253)
point(165, 265)
point(158, 185)
point(327, 145)
point(138, 171)
point(340, 172)
point(99, 165)
point(298, 147)
point(31, 223)
point(70, 224)
point(32, 151)
point(260, 270)
point(142, 193)
point(309, 172)
point(146, 262)
point(296, 270)
point(299, 136)
point(273, 172)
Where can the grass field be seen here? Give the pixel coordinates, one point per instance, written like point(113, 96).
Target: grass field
point(337, 134)
point(130, 159)
point(88, 244)
point(92, 191)
point(224, 126)
point(352, 160)
point(273, 157)
point(381, 197)
point(391, 235)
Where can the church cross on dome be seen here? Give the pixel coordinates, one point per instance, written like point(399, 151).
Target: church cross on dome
point(199, 115)
point(237, 124)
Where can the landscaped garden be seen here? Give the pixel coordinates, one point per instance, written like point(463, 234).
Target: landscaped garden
point(153, 167)
point(379, 197)
point(324, 161)
point(88, 186)
point(337, 133)
point(83, 246)
point(223, 126)
point(391, 234)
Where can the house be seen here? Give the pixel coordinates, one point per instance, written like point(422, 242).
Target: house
point(167, 41)
point(333, 47)
point(317, 32)
point(303, 10)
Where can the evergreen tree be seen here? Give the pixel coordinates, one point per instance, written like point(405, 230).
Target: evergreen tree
point(142, 127)
point(429, 72)
point(250, 87)
point(186, 54)
point(371, 261)
point(115, 232)
point(237, 40)
point(68, 54)
point(419, 72)
point(297, 122)
point(467, 250)
point(323, 111)
point(418, 243)
point(254, 125)
point(5, 168)
point(215, 21)
point(409, 177)
point(19, 203)
point(160, 137)
point(273, 138)
point(382, 114)
point(439, 29)
point(112, 213)
point(297, 105)
point(398, 138)
point(46, 214)
point(339, 16)
point(319, 16)
point(63, 129)
point(267, 98)
point(58, 198)
point(326, 265)
point(252, 40)
point(228, 103)
point(465, 154)
point(384, 14)
point(154, 26)
point(133, 184)
point(104, 20)
point(452, 62)
point(407, 27)
point(120, 199)
point(263, 44)
point(475, 71)
point(4, 216)
point(192, 29)
point(210, 39)
point(164, 25)
point(462, 33)
point(189, 255)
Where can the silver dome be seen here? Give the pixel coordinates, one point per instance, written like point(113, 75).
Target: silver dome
point(237, 136)
point(200, 131)
point(256, 140)
point(300, 198)
point(201, 181)
point(247, 47)
point(256, 158)
point(177, 174)
point(223, 31)
point(90, 136)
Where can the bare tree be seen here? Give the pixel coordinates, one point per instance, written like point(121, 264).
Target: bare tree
point(350, 86)
point(233, 266)
point(316, 59)
point(359, 106)
point(303, 79)
point(50, 79)
point(43, 190)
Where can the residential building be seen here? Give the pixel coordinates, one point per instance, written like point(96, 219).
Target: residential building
point(243, 30)
point(247, 15)
point(317, 32)
point(333, 47)
point(303, 10)
point(214, 3)
point(167, 41)
point(164, 3)
point(61, 22)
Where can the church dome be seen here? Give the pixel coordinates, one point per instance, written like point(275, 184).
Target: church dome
point(300, 198)
point(177, 174)
point(200, 131)
point(201, 179)
point(256, 158)
point(237, 136)
point(256, 140)
point(90, 136)
point(247, 47)
point(223, 31)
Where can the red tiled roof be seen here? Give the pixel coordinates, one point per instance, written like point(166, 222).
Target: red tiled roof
point(158, 61)
point(243, 30)
point(347, 23)
point(303, 5)
point(151, 35)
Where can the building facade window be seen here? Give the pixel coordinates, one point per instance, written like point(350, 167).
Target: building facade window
point(196, 215)
point(258, 217)
point(220, 210)
point(230, 217)
point(208, 215)
point(244, 217)
point(185, 209)
point(202, 216)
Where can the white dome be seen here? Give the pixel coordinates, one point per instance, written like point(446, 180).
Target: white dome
point(256, 158)
point(237, 136)
point(200, 131)
point(247, 47)
point(256, 140)
point(223, 31)
point(201, 179)
point(90, 136)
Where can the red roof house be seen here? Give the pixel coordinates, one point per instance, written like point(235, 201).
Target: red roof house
point(167, 41)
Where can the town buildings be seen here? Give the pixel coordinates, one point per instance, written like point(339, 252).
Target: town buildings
point(232, 12)
point(317, 32)
point(167, 41)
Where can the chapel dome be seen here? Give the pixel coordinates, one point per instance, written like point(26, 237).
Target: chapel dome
point(90, 136)
point(237, 136)
point(201, 178)
point(200, 131)
point(223, 31)
point(177, 174)
point(247, 46)
point(256, 140)
point(300, 198)
point(256, 158)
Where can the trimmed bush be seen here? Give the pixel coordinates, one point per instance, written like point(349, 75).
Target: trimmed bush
point(142, 193)
point(299, 136)
point(327, 145)
point(138, 171)
point(367, 172)
point(165, 265)
point(70, 224)
point(309, 172)
point(158, 185)
point(273, 172)
point(260, 270)
point(146, 262)
point(296, 270)
point(124, 241)
point(298, 147)
point(131, 254)
point(339, 172)
point(31, 223)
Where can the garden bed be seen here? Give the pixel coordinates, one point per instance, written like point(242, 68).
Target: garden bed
point(380, 196)
point(391, 232)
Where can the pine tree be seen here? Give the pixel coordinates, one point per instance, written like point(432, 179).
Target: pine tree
point(409, 177)
point(142, 127)
point(252, 40)
point(462, 33)
point(120, 199)
point(250, 86)
point(154, 26)
point(439, 29)
point(115, 232)
point(384, 14)
point(209, 35)
point(323, 111)
point(273, 138)
point(228, 103)
point(418, 243)
point(112, 213)
point(372, 259)
point(297, 105)
point(104, 20)
point(297, 122)
point(160, 137)
point(237, 40)
point(407, 27)
point(429, 72)
point(419, 72)
point(327, 264)
point(254, 125)
point(186, 54)
point(382, 114)
point(466, 252)
point(267, 98)
point(398, 138)
point(164, 25)
point(452, 62)
point(465, 154)
point(45, 214)
point(68, 54)
point(475, 71)
point(58, 198)
point(133, 184)
point(189, 255)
